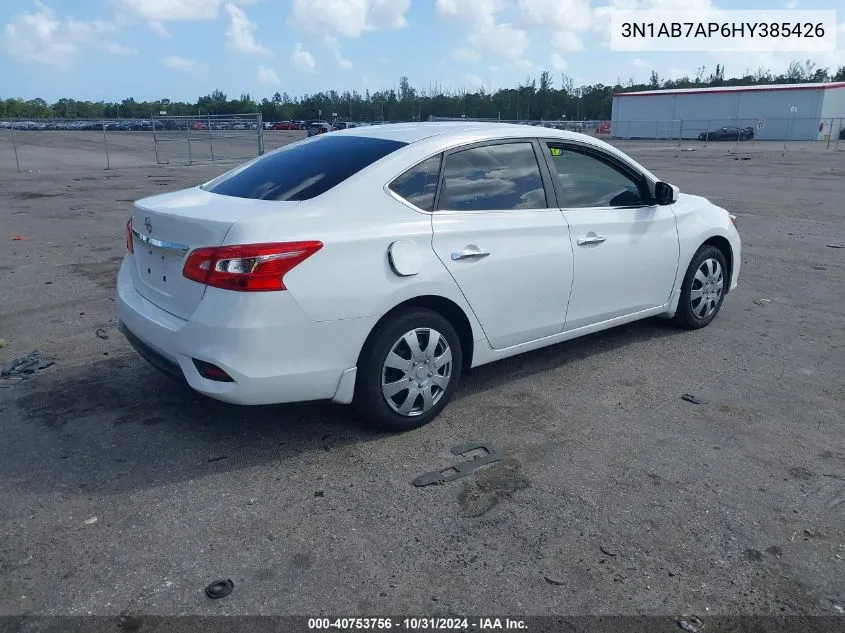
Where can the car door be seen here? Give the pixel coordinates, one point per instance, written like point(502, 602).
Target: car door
point(625, 246)
point(505, 242)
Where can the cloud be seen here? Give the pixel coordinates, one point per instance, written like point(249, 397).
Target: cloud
point(567, 41)
point(43, 38)
point(348, 18)
point(485, 33)
point(158, 29)
point(181, 63)
point(241, 33)
point(334, 46)
point(302, 59)
point(639, 63)
point(522, 64)
point(466, 55)
point(678, 73)
point(158, 12)
point(560, 15)
point(566, 19)
point(268, 76)
point(558, 62)
point(119, 49)
point(501, 39)
point(176, 10)
point(472, 81)
point(737, 63)
point(480, 14)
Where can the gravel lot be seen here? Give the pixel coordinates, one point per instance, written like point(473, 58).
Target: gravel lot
point(615, 496)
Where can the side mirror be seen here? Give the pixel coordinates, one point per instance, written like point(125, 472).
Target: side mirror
point(665, 193)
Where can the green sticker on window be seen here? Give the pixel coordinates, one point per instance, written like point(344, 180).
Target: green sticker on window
point(556, 151)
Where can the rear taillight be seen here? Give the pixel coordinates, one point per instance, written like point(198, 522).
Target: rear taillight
point(247, 267)
point(130, 243)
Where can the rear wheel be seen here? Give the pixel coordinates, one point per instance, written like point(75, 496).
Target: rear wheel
point(703, 288)
point(408, 370)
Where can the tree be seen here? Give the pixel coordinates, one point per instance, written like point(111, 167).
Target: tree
point(532, 98)
point(795, 72)
point(654, 80)
point(718, 77)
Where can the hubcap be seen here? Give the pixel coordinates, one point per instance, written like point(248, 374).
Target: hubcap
point(416, 372)
point(707, 287)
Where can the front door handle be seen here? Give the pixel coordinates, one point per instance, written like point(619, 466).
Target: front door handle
point(593, 239)
point(470, 252)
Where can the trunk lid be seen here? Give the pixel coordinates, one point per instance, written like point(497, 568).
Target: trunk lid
point(168, 226)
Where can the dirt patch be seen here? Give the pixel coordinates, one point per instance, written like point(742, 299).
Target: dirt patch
point(491, 486)
point(32, 195)
point(104, 274)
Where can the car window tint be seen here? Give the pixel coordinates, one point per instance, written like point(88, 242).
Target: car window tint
point(499, 177)
point(303, 170)
point(589, 182)
point(419, 184)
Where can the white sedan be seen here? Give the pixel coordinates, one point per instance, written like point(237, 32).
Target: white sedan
point(372, 265)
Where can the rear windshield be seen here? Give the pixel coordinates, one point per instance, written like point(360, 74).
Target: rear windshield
point(303, 170)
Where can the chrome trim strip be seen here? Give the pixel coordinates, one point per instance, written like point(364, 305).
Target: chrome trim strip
point(151, 241)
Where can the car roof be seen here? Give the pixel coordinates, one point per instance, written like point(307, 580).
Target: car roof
point(413, 132)
point(429, 137)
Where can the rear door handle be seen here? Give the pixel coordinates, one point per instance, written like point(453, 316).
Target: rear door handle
point(593, 239)
point(469, 252)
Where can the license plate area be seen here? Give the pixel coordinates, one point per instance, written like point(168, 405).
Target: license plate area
point(158, 267)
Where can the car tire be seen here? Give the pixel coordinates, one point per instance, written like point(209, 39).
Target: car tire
point(703, 289)
point(377, 379)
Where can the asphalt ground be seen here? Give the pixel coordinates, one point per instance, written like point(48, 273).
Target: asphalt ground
point(124, 493)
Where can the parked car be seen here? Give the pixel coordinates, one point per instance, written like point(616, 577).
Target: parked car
point(199, 125)
point(319, 128)
point(316, 272)
point(728, 133)
point(603, 128)
point(286, 125)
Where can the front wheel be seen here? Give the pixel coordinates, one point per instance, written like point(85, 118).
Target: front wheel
point(703, 289)
point(408, 370)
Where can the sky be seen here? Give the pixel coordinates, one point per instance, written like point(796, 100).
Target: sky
point(182, 49)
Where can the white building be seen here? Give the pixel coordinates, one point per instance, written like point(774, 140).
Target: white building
point(795, 112)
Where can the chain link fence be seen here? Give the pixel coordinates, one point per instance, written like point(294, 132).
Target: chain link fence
point(826, 133)
point(50, 145)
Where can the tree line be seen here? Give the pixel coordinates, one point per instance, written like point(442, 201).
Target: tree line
point(535, 98)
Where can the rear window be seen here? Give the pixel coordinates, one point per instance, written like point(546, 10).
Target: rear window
point(304, 170)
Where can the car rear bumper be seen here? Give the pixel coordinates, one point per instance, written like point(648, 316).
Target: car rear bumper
point(162, 363)
point(273, 352)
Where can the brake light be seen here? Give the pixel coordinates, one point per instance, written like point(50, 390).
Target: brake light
point(130, 243)
point(247, 267)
